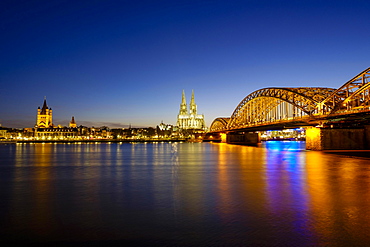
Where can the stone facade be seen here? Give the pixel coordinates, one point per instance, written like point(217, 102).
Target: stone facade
point(44, 117)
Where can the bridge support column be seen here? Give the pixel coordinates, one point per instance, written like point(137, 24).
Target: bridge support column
point(338, 139)
point(244, 138)
point(367, 136)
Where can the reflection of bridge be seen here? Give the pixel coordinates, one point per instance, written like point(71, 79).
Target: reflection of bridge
point(278, 108)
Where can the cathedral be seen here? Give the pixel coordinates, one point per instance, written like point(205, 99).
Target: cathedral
point(189, 119)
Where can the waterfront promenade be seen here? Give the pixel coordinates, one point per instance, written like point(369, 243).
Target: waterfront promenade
point(97, 140)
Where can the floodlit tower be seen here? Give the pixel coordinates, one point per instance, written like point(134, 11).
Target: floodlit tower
point(44, 116)
point(73, 124)
point(193, 106)
point(183, 106)
point(182, 117)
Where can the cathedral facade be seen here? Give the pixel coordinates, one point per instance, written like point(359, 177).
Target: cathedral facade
point(189, 119)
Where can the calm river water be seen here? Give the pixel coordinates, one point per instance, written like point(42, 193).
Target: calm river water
point(182, 194)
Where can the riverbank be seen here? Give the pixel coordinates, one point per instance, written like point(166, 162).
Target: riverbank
point(95, 141)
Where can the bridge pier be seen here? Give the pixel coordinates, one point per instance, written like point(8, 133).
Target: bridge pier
point(244, 138)
point(337, 139)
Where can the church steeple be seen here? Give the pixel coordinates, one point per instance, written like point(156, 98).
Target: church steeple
point(183, 106)
point(44, 107)
point(193, 106)
point(183, 100)
point(72, 124)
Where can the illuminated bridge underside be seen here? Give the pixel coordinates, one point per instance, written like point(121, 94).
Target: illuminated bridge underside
point(288, 107)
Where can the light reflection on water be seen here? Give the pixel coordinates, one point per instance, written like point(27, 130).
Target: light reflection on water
point(183, 194)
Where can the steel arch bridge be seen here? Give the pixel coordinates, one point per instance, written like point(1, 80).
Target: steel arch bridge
point(270, 108)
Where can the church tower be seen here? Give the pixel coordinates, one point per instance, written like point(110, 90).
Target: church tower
point(193, 106)
point(183, 106)
point(182, 117)
point(44, 116)
point(73, 124)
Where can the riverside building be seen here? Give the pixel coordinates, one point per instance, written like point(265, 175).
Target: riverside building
point(189, 120)
point(44, 116)
point(45, 129)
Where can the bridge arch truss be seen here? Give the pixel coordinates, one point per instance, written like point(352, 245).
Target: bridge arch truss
point(219, 124)
point(273, 105)
point(353, 96)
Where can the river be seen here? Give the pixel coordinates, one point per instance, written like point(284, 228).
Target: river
point(182, 194)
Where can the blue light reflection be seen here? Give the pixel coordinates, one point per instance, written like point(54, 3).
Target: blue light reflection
point(286, 187)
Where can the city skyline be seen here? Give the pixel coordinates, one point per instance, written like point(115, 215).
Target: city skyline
point(120, 63)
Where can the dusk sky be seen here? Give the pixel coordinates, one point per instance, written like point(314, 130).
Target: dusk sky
point(117, 63)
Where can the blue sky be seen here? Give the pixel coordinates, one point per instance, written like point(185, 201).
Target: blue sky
point(117, 63)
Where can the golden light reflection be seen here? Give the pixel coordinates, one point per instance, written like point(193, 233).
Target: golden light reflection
point(223, 180)
point(335, 183)
point(190, 160)
point(42, 185)
point(235, 164)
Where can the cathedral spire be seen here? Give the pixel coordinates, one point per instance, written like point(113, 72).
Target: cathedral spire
point(183, 97)
point(183, 106)
point(192, 102)
point(193, 106)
